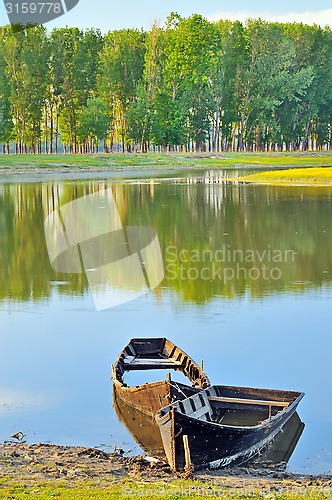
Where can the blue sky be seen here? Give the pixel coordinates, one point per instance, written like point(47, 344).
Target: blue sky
point(109, 14)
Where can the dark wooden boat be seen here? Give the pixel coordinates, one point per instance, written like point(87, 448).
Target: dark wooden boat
point(145, 431)
point(223, 425)
point(155, 354)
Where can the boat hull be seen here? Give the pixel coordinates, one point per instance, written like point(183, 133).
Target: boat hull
point(213, 444)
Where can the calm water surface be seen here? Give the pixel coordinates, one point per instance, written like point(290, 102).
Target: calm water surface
point(247, 288)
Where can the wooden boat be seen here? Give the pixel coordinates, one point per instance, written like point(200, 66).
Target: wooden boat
point(223, 425)
point(145, 431)
point(154, 354)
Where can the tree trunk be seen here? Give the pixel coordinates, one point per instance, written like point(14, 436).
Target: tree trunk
point(111, 140)
point(46, 144)
point(23, 136)
point(56, 131)
point(239, 141)
point(51, 130)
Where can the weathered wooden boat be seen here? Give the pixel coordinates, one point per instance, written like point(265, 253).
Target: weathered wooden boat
point(223, 425)
point(145, 432)
point(155, 354)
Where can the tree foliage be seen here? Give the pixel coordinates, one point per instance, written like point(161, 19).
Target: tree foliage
point(189, 85)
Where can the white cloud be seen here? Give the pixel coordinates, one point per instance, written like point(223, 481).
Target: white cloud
point(320, 17)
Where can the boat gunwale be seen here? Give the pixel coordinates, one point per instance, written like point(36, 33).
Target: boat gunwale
point(140, 387)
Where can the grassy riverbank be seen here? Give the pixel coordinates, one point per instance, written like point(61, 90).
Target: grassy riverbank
point(26, 163)
point(160, 490)
point(319, 176)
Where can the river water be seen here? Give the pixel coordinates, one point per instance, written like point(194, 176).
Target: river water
point(238, 276)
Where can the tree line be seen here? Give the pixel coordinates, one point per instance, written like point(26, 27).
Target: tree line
point(190, 85)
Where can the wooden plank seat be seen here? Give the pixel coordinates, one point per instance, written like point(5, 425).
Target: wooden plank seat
point(133, 362)
point(247, 401)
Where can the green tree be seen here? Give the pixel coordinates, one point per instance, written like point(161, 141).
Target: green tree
point(73, 72)
point(93, 124)
point(267, 77)
point(26, 57)
point(121, 69)
point(6, 114)
point(139, 119)
point(313, 117)
point(192, 61)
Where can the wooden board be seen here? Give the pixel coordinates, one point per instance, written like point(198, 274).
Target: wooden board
point(248, 401)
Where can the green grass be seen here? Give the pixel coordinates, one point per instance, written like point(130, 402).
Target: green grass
point(318, 176)
point(159, 490)
point(119, 160)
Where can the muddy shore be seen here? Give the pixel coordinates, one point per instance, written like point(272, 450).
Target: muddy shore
point(40, 463)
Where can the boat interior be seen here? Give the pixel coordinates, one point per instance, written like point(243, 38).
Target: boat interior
point(154, 354)
point(234, 406)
